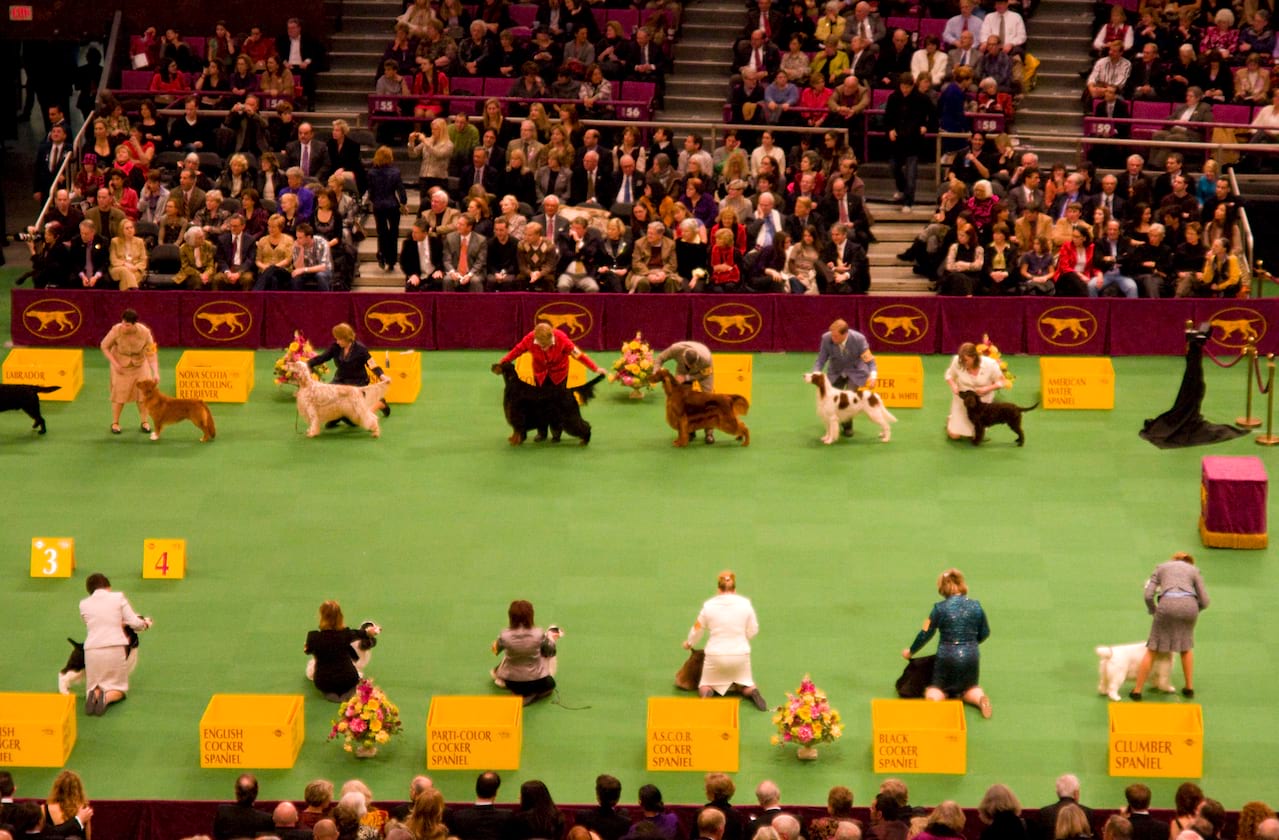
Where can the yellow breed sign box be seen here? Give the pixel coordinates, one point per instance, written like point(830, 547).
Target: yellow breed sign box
point(255, 731)
point(38, 366)
point(52, 557)
point(1077, 382)
point(1157, 740)
point(404, 367)
point(919, 736)
point(36, 730)
point(164, 559)
point(215, 375)
point(687, 734)
point(474, 733)
point(900, 381)
point(734, 373)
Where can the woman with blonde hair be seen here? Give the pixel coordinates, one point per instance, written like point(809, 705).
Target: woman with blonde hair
point(1000, 810)
point(946, 821)
point(1175, 595)
point(961, 622)
point(338, 653)
point(426, 816)
point(370, 817)
point(730, 621)
point(1072, 823)
point(435, 150)
point(128, 257)
point(67, 801)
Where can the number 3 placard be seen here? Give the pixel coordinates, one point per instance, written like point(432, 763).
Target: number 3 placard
point(164, 559)
point(52, 557)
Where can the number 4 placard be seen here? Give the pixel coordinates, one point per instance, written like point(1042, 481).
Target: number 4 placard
point(164, 559)
point(52, 557)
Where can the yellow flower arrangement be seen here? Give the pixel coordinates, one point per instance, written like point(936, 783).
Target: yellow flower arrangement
point(299, 349)
point(806, 717)
point(987, 348)
point(367, 719)
point(634, 368)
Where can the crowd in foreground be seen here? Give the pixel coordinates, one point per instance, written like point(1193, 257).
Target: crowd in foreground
point(355, 815)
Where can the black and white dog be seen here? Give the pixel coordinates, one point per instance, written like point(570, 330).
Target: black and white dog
point(73, 672)
point(26, 398)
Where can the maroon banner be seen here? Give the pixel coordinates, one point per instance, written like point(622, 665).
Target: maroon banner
point(581, 317)
point(1149, 327)
point(968, 319)
point(314, 313)
point(220, 319)
point(800, 320)
point(1234, 322)
point(58, 317)
point(662, 318)
point(901, 325)
point(1066, 326)
point(734, 324)
point(466, 321)
point(395, 320)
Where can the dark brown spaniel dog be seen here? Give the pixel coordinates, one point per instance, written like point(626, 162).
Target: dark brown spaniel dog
point(984, 415)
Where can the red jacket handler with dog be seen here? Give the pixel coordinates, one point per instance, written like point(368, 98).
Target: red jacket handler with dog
point(551, 350)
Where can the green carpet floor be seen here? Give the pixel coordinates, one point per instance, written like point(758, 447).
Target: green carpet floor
point(436, 527)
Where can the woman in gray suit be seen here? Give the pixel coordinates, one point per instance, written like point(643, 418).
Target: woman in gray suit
point(528, 669)
point(1175, 595)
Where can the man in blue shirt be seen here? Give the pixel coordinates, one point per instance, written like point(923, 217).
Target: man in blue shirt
point(848, 362)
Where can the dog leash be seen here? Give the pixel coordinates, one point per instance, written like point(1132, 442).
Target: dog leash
point(557, 700)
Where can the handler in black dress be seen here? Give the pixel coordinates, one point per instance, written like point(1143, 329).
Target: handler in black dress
point(352, 361)
point(335, 650)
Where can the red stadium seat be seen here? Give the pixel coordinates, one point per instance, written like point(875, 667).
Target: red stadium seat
point(498, 87)
point(197, 44)
point(524, 14)
point(1148, 111)
point(931, 26)
point(600, 18)
point(910, 24)
point(1233, 114)
point(628, 18)
point(136, 79)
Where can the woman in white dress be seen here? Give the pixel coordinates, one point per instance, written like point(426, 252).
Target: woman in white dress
point(970, 371)
point(730, 620)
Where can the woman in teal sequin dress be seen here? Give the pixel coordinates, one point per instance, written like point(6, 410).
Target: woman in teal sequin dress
point(962, 624)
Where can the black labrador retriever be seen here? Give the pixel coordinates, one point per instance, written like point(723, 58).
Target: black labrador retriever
point(984, 415)
point(26, 398)
point(529, 407)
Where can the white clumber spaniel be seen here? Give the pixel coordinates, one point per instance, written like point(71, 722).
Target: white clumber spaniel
point(1117, 663)
point(320, 402)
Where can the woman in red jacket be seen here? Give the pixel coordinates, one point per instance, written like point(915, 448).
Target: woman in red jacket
point(1074, 265)
point(551, 350)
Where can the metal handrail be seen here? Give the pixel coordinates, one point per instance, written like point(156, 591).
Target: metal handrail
point(1241, 221)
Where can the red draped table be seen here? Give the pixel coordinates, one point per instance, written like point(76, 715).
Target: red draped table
point(1233, 502)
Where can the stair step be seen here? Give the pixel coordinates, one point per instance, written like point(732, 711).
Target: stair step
point(372, 24)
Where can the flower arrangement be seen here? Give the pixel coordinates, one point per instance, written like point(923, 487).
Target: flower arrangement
point(806, 718)
point(367, 720)
point(987, 348)
point(634, 368)
point(299, 350)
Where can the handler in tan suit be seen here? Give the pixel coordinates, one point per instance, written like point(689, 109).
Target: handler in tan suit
point(130, 350)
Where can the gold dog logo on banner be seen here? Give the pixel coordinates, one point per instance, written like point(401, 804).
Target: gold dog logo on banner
point(732, 323)
point(53, 317)
point(1067, 326)
point(222, 320)
point(393, 320)
point(1235, 326)
point(573, 318)
point(899, 323)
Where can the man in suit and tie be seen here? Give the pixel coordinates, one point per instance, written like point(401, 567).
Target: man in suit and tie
point(1133, 185)
point(237, 254)
point(1025, 194)
point(422, 269)
point(483, 820)
point(189, 197)
point(766, 19)
point(1146, 79)
point(303, 55)
point(968, 20)
point(630, 184)
point(1110, 255)
point(553, 222)
point(1110, 198)
point(843, 208)
point(479, 173)
point(965, 54)
point(768, 222)
point(759, 54)
point(844, 355)
point(847, 267)
point(578, 249)
point(242, 819)
point(862, 57)
point(1194, 110)
point(591, 143)
point(1144, 826)
point(867, 23)
point(1073, 194)
point(591, 185)
point(526, 142)
point(48, 158)
point(464, 256)
point(307, 153)
point(650, 62)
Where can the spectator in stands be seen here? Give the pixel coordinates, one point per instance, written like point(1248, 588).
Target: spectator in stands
point(199, 268)
point(1008, 26)
point(307, 153)
point(999, 270)
point(391, 83)
point(577, 251)
point(1075, 270)
point(867, 23)
point(1181, 200)
point(779, 98)
point(49, 158)
point(87, 259)
point(477, 52)
point(962, 268)
point(595, 94)
point(211, 217)
point(1067, 788)
point(66, 214)
point(312, 260)
point(464, 252)
point(1147, 76)
point(538, 816)
point(1112, 70)
point(127, 263)
point(894, 60)
point(1117, 29)
point(796, 22)
point(907, 116)
point(1151, 265)
point(1205, 186)
point(241, 819)
point(1111, 257)
point(1222, 37)
point(282, 129)
point(172, 224)
point(653, 265)
point(277, 80)
point(931, 60)
point(105, 214)
point(212, 84)
point(344, 156)
point(814, 100)
point(274, 257)
point(1252, 84)
point(189, 132)
point(169, 81)
point(831, 24)
point(1222, 277)
point(1137, 810)
point(839, 799)
point(1256, 37)
point(1251, 816)
point(303, 55)
point(830, 63)
point(994, 63)
point(422, 267)
point(965, 54)
point(794, 62)
point(969, 19)
point(863, 56)
point(243, 80)
point(1218, 79)
point(759, 55)
point(1182, 75)
point(236, 254)
point(387, 195)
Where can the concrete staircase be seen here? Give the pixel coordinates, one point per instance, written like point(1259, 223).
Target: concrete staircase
point(1060, 37)
point(367, 27)
point(697, 86)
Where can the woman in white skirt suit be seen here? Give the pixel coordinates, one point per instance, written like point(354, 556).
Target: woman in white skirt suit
point(970, 371)
point(107, 657)
point(730, 620)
